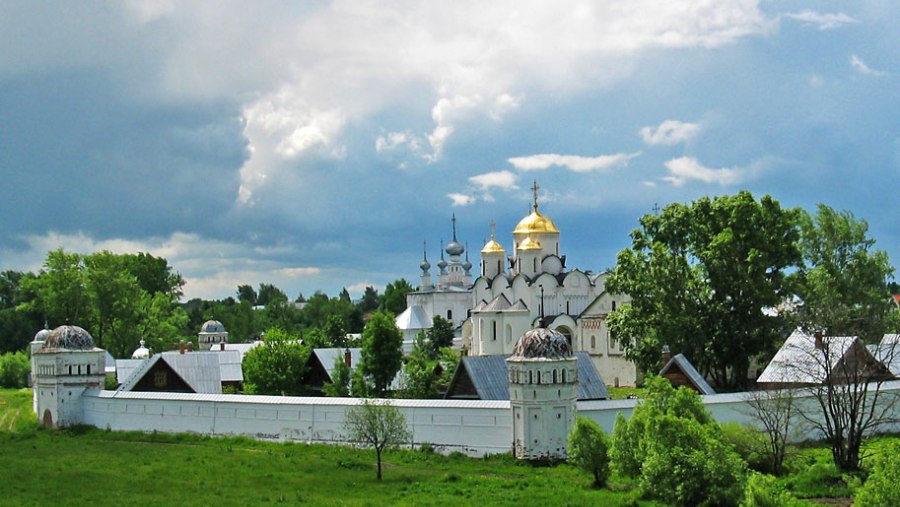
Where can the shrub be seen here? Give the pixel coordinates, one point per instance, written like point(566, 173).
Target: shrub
point(589, 450)
point(15, 368)
point(625, 453)
point(881, 488)
point(819, 480)
point(750, 444)
point(764, 491)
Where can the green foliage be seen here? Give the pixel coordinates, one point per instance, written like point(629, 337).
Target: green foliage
point(589, 450)
point(750, 444)
point(723, 260)
point(394, 298)
point(676, 450)
point(377, 425)
point(819, 480)
point(277, 366)
point(764, 491)
point(340, 388)
point(370, 300)
point(15, 369)
point(360, 384)
point(246, 293)
point(882, 488)
point(440, 336)
point(335, 330)
point(382, 354)
point(844, 279)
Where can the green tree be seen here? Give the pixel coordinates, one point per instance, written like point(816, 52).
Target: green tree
point(369, 301)
point(115, 299)
point(246, 293)
point(723, 261)
point(589, 450)
point(277, 366)
point(9, 288)
point(440, 335)
point(15, 368)
point(844, 280)
point(382, 353)
point(154, 274)
point(378, 425)
point(394, 298)
point(336, 330)
point(340, 374)
point(269, 294)
point(60, 292)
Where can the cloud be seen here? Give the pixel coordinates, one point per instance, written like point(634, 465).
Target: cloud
point(503, 105)
point(572, 162)
point(670, 132)
point(461, 199)
point(823, 21)
point(685, 169)
point(505, 180)
point(861, 67)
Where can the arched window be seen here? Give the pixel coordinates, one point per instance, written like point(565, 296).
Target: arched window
point(564, 376)
point(530, 378)
point(494, 330)
point(554, 377)
point(538, 377)
point(534, 264)
point(593, 342)
point(498, 265)
point(449, 314)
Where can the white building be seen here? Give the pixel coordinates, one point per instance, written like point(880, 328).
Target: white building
point(537, 290)
point(450, 297)
point(212, 333)
point(66, 364)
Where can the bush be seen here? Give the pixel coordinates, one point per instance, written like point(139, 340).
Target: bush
point(589, 450)
point(764, 491)
point(819, 480)
point(678, 452)
point(15, 369)
point(881, 488)
point(750, 444)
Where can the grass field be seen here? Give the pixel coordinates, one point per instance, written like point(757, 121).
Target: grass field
point(96, 467)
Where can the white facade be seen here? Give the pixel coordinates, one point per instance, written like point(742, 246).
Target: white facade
point(539, 291)
point(65, 366)
point(542, 394)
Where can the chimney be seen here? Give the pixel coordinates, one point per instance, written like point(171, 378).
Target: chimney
point(181, 347)
point(666, 356)
point(818, 336)
point(347, 358)
point(190, 346)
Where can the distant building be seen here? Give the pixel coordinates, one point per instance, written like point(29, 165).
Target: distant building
point(211, 334)
point(681, 373)
point(176, 372)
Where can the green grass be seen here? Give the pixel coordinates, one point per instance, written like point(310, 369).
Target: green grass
point(622, 393)
point(88, 466)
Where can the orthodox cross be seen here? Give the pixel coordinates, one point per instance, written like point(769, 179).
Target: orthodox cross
point(534, 190)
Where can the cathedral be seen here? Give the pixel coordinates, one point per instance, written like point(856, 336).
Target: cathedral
point(528, 288)
point(533, 288)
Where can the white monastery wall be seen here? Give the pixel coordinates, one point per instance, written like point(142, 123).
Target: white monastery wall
point(472, 427)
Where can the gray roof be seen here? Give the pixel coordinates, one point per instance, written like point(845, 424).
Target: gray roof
point(125, 367)
point(799, 361)
point(888, 352)
point(229, 365)
point(242, 348)
point(685, 366)
point(489, 376)
point(199, 370)
point(414, 317)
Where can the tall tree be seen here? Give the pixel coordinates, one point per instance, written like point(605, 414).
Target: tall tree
point(370, 300)
point(269, 293)
point(60, 289)
point(700, 276)
point(154, 274)
point(844, 282)
point(394, 298)
point(336, 331)
point(9, 288)
point(382, 353)
point(440, 335)
point(246, 293)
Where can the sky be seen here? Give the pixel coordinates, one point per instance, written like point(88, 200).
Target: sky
point(323, 145)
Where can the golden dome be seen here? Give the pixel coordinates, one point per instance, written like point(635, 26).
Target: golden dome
point(529, 244)
point(536, 223)
point(492, 247)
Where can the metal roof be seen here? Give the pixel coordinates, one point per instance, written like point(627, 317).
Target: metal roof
point(327, 357)
point(229, 365)
point(414, 317)
point(200, 370)
point(800, 361)
point(242, 348)
point(489, 375)
point(125, 367)
point(888, 352)
point(685, 366)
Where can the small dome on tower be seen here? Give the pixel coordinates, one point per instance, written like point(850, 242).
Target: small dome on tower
point(41, 336)
point(542, 343)
point(492, 247)
point(212, 326)
point(68, 338)
point(455, 248)
point(425, 265)
point(141, 352)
